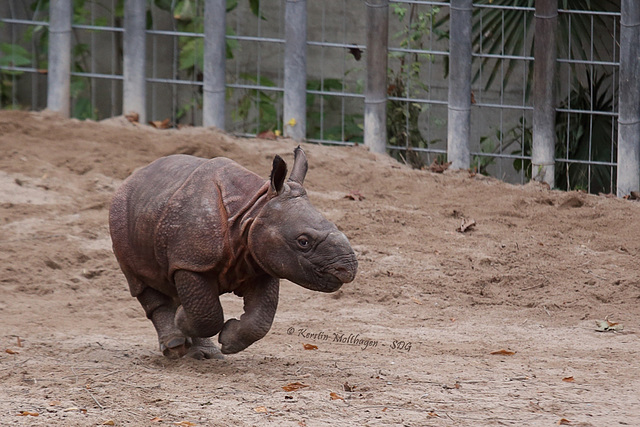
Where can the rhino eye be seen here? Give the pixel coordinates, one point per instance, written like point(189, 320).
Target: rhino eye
point(303, 242)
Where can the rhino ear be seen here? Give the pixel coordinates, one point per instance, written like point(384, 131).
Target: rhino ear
point(300, 166)
point(278, 174)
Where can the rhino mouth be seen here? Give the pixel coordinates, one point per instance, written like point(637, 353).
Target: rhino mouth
point(332, 277)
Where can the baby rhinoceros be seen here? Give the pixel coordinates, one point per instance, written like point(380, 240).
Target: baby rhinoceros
point(187, 229)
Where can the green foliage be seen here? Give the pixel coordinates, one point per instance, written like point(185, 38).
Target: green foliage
point(13, 55)
point(579, 136)
point(480, 163)
point(405, 80)
point(321, 125)
point(258, 106)
point(500, 31)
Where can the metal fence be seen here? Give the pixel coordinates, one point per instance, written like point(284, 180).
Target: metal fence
point(423, 80)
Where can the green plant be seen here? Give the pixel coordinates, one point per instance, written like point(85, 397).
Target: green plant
point(259, 105)
point(13, 55)
point(324, 125)
point(499, 31)
point(579, 136)
point(188, 16)
point(480, 163)
point(405, 81)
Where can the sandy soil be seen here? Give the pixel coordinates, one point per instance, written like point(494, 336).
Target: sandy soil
point(531, 278)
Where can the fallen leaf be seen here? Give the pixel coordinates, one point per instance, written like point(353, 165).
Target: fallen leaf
point(12, 351)
point(504, 352)
point(608, 326)
point(384, 409)
point(355, 195)
point(455, 386)
point(161, 124)
point(267, 134)
point(439, 167)
point(433, 414)
point(28, 414)
point(294, 386)
point(156, 420)
point(564, 422)
point(19, 342)
point(568, 379)
point(310, 347)
point(466, 224)
point(260, 409)
point(292, 122)
point(335, 396)
point(417, 301)
point(277, 132)
point(55, 403)
point(184, 423)
point(349, 388)
point(108, 423)
point(133, 117)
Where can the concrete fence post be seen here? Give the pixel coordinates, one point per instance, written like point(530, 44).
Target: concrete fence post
point(543, 147)
point(459, 109)
point(629, 106)
point(134, 61)
point(295, 70)
point(59, 73)
point(213, 99)
point(375, 96)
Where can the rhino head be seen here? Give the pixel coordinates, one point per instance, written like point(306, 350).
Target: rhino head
point(290, 239)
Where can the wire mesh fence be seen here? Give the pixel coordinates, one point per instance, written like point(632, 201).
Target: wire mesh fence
point(500, 140)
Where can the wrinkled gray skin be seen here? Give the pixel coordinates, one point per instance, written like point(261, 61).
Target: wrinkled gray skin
point(187, 229)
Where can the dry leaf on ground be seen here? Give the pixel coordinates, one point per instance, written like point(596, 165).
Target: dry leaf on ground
point(608, 326)
point(27, 414)
point(133, 117)
point(349, 388)
point(261, 409)
point(267, 134)
point(355, 195)
point(161, 124)
point(466, 224)
point(504, 352)
point(310, 347)
point(568, 379)
point(294, 386)
point(335, 396)
point(439, 167)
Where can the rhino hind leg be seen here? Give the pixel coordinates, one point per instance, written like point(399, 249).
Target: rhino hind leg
point(161, 310)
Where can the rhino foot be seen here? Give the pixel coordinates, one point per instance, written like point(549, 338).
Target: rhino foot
point(175, 347)
point(204, 348)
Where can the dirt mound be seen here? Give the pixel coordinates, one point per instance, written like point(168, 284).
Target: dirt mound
point(409, 342)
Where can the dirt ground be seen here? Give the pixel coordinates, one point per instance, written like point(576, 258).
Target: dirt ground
point(531, 278)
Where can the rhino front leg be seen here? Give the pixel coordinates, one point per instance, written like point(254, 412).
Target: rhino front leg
point(260, 303)
point(200, 314)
